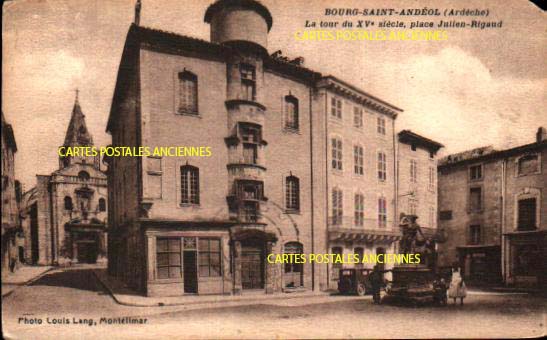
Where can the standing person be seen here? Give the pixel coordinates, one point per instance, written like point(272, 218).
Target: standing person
point(376, 284)
point(457, 287)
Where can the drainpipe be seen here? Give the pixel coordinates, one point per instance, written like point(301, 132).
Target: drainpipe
point(312, 190)
point(502, 220)
point(395, 174)
point(325, 117)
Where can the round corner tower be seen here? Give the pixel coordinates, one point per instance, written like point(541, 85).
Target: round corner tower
point(242, 26)
point(239, 22)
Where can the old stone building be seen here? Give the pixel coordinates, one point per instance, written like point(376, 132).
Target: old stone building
point(417, 178)
point(492, 204)
point(300, 163)
point(65, 213)
point(359, 153)
point(11, 192)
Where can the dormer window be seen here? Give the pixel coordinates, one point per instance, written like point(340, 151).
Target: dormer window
point(248, 82)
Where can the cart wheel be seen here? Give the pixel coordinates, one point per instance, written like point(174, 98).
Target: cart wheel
point(361, 289)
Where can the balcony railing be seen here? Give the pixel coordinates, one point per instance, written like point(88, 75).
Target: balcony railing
point(351, 222)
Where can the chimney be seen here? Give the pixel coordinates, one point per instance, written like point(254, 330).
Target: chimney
point(541, 134)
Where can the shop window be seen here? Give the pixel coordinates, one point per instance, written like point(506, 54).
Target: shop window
point(336, 266)
point(168, 258)
point(358, 253)
point(209, 257)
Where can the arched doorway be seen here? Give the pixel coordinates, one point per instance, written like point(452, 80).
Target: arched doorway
point(251, 248)
point(252, 263)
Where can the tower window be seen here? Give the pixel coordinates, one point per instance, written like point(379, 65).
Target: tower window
point(188, 93)
point(248, 82)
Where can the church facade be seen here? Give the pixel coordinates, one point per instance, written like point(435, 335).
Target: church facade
point(64, 215)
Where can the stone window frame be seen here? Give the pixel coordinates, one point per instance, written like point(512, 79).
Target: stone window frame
point(290, 208)
point(336, 108)
point(359, 209)
point(381, 166)
point(471, 209)
point(358, 117)
point(291, 99)
point(382, 212)
point(358, 160)
point(337, 207)
point(470, 171)
point(517, 162)
point(179, 182)
point(186, 75)
point(527, 193)
point(337, 150)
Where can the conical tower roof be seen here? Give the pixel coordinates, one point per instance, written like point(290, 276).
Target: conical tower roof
point(77, 133)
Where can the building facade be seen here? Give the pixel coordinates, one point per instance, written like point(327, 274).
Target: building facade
point(417, 178)
point(299, 163)
point(492, 205)
point(358, 135)
point(64, 215)
point(11, 192)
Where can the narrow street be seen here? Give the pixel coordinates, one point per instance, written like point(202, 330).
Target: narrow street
point(75, 295)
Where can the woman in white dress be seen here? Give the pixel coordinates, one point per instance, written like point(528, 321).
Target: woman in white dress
point(457, 287)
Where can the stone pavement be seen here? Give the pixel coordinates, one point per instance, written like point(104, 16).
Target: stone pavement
point(23, 276)
point(128, 297)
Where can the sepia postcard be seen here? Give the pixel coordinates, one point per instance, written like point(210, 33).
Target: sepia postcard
point(274, 169)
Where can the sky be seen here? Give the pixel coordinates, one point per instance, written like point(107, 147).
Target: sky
point(480, 87)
